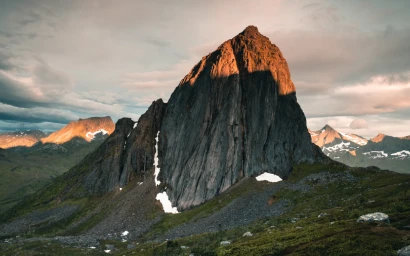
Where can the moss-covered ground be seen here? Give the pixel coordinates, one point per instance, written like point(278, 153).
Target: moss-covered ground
point(299, 231)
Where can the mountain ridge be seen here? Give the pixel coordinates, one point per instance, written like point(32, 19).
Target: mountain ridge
point(83, 128)
point(383, 151)
point(25, 138)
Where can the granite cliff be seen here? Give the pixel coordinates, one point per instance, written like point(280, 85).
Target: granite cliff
point(234, 115)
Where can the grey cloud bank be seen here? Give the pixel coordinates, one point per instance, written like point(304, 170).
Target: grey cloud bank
point(64, 60)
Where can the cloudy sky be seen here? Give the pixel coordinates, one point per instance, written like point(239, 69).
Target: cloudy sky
point(64, 60)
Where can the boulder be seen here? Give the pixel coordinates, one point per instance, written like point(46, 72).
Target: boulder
point(374, 217)
point(247, 234)
point(224, 243)
point(404, 251)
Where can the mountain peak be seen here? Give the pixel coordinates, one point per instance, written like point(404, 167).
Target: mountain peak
point(245, 85)
point(83, 128)
point(328, 128)
point(378, 138)
point(251, 31)
point(246, 53)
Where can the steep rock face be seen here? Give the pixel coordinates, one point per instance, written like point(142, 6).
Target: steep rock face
point(234, 115)
point(127, 153)
point(139, 157)
point(20, 138)
point(86, 129)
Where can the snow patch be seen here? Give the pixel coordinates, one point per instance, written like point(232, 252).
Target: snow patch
point(91, 135)
point(125, 233)
point(268, 177)
point(401, 154)
point(375, 154)
point(162, 197)
point(340, 147)
point(354, 139)
point(166, 203)
point(107, 251)
point(156, 173)
point(135, 125)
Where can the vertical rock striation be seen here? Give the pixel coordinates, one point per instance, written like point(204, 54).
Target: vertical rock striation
point(234, 115)
point(126, 154)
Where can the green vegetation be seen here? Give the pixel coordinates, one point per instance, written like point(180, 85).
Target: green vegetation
point(335, 232)
point(46, 248)
point(24, 172)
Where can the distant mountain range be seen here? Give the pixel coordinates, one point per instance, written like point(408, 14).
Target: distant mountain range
point(86, 129)
point(29, 160)
point(21, 138)
point(383, 151)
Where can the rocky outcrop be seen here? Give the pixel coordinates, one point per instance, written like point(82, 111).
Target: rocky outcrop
point(374, 217)
point(234, 115)
point(127, 153)
point(140, 150)
point(85, 129)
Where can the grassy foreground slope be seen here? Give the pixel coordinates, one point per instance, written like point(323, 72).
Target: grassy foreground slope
point(336, 193)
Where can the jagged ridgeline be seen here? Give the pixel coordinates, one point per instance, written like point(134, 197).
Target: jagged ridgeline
point(234, 115)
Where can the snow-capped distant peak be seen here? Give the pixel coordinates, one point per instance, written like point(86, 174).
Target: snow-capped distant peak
point(354, 138)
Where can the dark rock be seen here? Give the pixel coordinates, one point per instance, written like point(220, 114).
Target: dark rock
point(234, 115)
point(130, 246)
point(110, 247)
point(140, 150)
point(127, 153)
